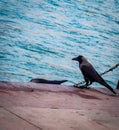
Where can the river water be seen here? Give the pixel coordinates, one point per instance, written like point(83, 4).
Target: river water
point(38, 38)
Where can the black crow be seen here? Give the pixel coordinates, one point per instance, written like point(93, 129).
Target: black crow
point(90, 74)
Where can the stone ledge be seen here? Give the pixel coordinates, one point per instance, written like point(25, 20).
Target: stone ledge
point(55, 107)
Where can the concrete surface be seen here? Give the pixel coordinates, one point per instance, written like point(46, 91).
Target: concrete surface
point(30, 106)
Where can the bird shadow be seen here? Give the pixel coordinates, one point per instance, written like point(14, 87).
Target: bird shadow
point(86, 96)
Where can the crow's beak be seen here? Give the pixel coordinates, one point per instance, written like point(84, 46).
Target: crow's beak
point(75, 58)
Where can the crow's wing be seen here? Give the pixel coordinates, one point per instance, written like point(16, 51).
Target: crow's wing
point(90, 73)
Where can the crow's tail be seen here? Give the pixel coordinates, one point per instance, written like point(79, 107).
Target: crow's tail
point(109, 87)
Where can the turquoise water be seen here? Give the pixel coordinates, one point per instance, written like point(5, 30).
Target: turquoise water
point(38, 38)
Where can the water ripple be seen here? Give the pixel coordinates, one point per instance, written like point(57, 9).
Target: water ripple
point(39, 38)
